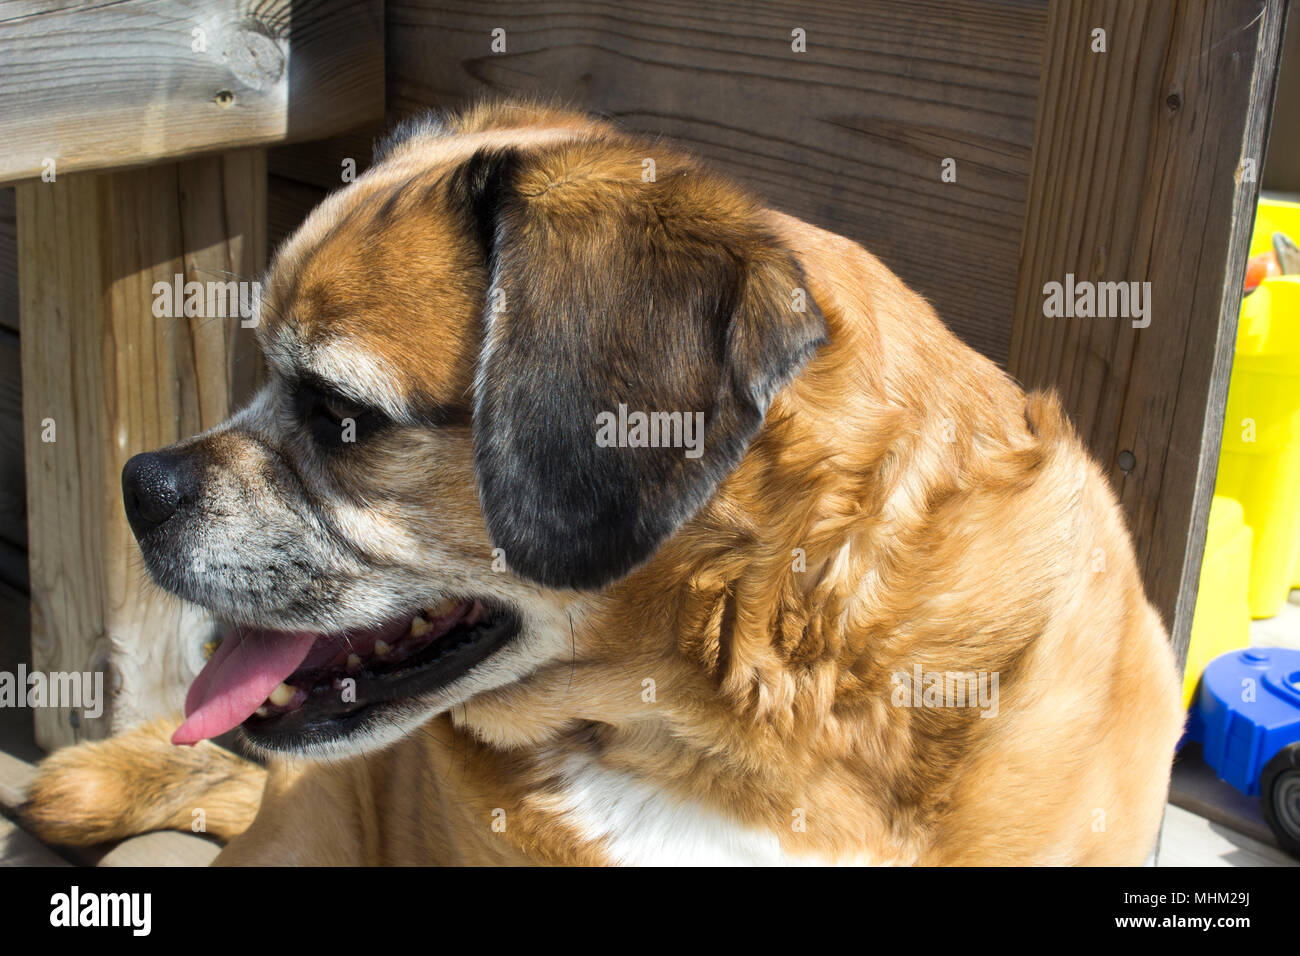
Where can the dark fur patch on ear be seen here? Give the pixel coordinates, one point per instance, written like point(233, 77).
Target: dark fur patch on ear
point(477, 188)
point(612, 297)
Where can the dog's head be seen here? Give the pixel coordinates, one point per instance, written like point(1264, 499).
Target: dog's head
point(488, 360)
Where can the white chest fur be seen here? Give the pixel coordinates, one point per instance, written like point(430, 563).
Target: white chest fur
point(640, 825)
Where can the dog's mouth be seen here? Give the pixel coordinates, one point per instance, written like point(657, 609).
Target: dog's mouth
point(282, 687)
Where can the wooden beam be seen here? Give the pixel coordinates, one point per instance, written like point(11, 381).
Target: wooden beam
point(91, 85)
point(104, 378)
point(8, 262)
point(13, 502)
point(1138, 176)
point(1282, 164)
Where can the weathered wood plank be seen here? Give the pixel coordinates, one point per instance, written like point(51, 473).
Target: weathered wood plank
point(17, 739)
point(13, 503)
point(19, 848)
point(101, 85)
point(322, 164)
point(13, 509)
point(1136, 179)
point(163, 848)
point(113, 380)
point(16, 776)
point(8, 262)
point(1282, 162)
point(288, 203)
point(849, 135)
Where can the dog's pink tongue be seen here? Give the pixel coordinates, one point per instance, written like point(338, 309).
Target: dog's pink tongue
point(237, 680)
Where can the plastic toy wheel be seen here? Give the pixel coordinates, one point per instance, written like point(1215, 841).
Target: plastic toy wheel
point(1279, 789)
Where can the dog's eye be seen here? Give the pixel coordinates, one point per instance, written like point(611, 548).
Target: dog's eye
point(333, 419)
point(336, 409)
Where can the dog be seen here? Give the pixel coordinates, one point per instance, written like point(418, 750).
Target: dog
point(490, 606)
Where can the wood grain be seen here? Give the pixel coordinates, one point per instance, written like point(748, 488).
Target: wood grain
point(288, 203)
point(320, 163)
point(849, 135)
point(1135, 178)
point(1282, 162)
point(16, 775)
point(8, 262)
point(102, 85)
point(13, 499)
point(162, 848)
point(17, 741)
point(116, 381)
point(19, 848)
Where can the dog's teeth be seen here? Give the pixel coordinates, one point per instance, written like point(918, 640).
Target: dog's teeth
point(281, 696)
point(381, 649)
point(420, 627)
point(263, 711)
point(443, 607)
point(354, 663)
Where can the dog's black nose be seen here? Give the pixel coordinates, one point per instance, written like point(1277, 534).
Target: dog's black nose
point(151, 490)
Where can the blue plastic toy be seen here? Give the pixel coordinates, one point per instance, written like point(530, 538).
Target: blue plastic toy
point(1247, 720)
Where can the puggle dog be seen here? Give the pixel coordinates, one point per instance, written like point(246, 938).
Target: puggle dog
point(497, 602)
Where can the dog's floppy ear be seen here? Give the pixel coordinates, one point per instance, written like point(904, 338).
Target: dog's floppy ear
point(614, 294)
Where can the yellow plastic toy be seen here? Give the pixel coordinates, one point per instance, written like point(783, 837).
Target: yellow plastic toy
point(1221, 621)
point(1259, 465)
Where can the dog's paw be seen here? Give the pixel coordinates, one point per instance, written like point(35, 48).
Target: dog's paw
point(78, 795)
point(136, 782)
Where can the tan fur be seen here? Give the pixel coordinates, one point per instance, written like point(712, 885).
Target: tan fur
point(112, 789)
point(948, 520)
